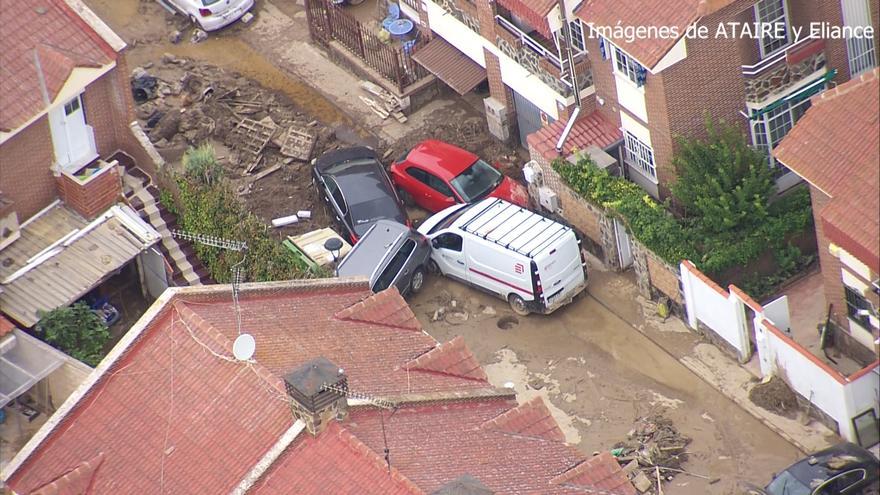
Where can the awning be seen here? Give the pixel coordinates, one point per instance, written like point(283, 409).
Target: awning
point(802, 94)
point(452, 67)
point(60, 256)
point(533, 12)
point(24, 360)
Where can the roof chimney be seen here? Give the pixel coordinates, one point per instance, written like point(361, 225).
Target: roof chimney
point(318, 391)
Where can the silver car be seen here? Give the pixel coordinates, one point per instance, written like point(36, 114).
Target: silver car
point(389, 253)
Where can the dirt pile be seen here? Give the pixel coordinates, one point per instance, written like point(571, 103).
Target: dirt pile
point(653, 452)
point(775, 396)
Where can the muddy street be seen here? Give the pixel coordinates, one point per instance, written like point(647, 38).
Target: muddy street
point(601, 375)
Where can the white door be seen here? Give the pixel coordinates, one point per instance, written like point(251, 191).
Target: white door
point(447, 253)
point(624, 245)
point(72, 138)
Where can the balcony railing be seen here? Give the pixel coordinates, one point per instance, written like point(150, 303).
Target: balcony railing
point(528, 41)
point(781, 56)
point(774, 75)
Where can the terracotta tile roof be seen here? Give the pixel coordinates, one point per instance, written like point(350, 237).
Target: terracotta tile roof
point(650, 13)
point(451, 358)
point(77, 481)
point(600, 471)
point(6, 326)
point(534, 12)
point(591, 129)
point(175, 412)
point(835, 146)
point(48, 31)
point(386, 308)
point(333, 462)
point(532, 418)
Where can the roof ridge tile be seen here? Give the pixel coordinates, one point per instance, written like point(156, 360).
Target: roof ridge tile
point(77, 480)
point(532, 418)
point(450, 358)
point(601, 472)
point(354, 443)
point(386, 308)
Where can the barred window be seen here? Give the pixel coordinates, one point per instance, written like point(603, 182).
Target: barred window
point(639, 155)
point(854, 302)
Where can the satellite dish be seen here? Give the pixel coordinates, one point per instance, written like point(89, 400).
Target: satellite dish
point(244, 346)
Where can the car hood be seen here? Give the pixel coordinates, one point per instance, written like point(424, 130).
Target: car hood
point(512, 191)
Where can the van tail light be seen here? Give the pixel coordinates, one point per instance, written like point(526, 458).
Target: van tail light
point(536, 280)
point(205, 12)
point(539, 290)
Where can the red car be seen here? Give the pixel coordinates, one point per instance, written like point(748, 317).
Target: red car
point(436, 175)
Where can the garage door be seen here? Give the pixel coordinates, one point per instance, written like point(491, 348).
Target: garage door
point(528, 117)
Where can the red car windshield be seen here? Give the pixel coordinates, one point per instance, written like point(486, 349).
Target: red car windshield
point(476, 181)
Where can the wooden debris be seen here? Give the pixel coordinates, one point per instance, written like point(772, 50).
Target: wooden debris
point(372, 105)
point(298, 143)
point(253, 136)
point(266, 172)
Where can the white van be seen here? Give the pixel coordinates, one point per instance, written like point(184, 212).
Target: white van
point(532, 262)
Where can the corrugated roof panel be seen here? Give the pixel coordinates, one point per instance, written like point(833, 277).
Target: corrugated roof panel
point(451, 65)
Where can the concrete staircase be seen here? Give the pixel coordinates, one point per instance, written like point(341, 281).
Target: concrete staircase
point(144, 198)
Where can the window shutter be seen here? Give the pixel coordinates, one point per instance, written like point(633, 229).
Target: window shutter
point(603, 49)
point(641, 76)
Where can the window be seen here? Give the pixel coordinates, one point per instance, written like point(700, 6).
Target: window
point(71, 106)
point(867, 431)
point(577, 35)
point(775, 13)
point(392, 269)
point(769, 129)
point(430, 180)
point(639, 155)
point(855, 301)
point(477, 181)
point(448, 241)
point(336, 194)
point(627, 66)
point(860, 52)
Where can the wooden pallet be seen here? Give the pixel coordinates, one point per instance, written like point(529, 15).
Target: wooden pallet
point(298, 143)
point(252, 137)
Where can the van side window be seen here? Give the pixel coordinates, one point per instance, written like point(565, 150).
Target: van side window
point(430, 180)
point(394, 266)
point(449, 241)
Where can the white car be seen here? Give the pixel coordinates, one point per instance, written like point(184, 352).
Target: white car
point(211, 15)
point(532, 262)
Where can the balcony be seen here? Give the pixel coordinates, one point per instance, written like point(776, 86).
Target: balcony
point(541, 57)
point(784, 69)
point(91, 189)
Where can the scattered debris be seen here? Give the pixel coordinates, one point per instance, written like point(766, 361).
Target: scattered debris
point(175, 37)
point(198, 36)
point(252, 138)
point(266, 172)
point(282, 221)
point(247, 18)
point(775, 396)
point(298, 143)
point(387, 104)
point(312, 245)
point(489, 311)
point(654, 443)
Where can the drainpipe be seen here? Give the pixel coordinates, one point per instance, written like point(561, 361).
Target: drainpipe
point(567, 130)
point(565, 44)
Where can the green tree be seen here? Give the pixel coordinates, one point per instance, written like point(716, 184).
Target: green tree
point(723, 183)
point(77, 331)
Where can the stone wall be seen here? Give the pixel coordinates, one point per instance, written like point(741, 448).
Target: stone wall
point(778, 79)
point(466, 15)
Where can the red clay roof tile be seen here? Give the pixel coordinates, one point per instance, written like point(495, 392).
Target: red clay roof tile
point(601, 472)
point(590, 130)
point(53, 33)
point(451, 358)
point(76, 481)
point(532, 418)
point(385, 308)
point(835, 147)
point(6, 326)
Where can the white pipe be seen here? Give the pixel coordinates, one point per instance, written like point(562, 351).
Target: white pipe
point(567, 130)
point(282, 221)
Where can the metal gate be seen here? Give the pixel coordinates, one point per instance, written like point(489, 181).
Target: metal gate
point(528, 117)
point(624, 245)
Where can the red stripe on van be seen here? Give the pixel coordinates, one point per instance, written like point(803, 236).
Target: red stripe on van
point(501, 281)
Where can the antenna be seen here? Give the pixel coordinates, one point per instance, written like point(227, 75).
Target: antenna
point(210, 240)
point(380, 403)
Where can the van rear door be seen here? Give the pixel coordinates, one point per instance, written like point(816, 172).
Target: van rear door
point(559, 268)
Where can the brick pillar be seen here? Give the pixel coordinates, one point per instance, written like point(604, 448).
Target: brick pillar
point(500, 110)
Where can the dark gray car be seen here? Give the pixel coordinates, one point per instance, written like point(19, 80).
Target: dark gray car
point(389, 253)
point(845, 469)
point(358, 190)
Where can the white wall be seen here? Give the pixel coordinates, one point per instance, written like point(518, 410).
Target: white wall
point(514, 75)
point(631, 97)
point(861, 394)
point(721, 311)
point(777, 312)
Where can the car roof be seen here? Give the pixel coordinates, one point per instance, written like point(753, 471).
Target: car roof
point(816, 465)
point(444, 159)
point(370, 249)
point(343, 155)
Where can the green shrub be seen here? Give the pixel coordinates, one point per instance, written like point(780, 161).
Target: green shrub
point(200, 164)
point(77, 331)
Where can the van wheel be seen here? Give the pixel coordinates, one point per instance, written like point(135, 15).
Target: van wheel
point(518, 305)
point(433, 269)
point(417, 281)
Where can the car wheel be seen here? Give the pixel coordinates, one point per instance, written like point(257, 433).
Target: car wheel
point(417, 281)
point(518, 305)
point(405, 197)
point(433, 268)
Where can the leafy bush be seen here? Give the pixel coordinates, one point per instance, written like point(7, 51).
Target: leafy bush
point(723, 183)
point(673, 239)
point(201, 164)
point(77, 331)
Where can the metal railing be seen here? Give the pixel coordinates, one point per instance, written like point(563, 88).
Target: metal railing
point(781, 55)
point(529, 41)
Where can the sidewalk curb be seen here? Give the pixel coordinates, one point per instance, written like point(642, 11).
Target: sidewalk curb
point(736, 401)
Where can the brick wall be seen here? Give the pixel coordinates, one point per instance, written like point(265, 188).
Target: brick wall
point(93, 196)
point(25, 169)
point(829, 265)
point(603, 80)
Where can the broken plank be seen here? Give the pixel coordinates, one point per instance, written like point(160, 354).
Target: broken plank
point(273, 168)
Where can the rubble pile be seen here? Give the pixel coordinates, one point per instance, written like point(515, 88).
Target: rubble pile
point(653, 452)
